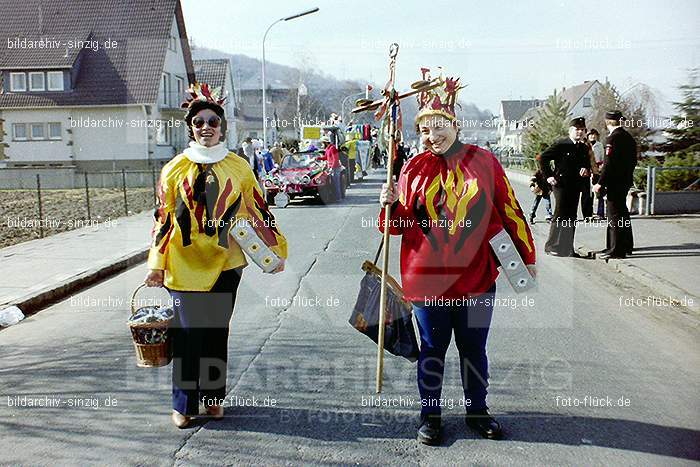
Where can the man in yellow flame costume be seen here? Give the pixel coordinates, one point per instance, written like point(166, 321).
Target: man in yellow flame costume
point(451, 200)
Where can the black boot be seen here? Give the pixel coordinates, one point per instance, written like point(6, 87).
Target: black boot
point(484, 424)
point(430, 430)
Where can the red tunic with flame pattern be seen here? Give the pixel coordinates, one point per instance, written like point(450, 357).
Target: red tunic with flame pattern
point(448, 208)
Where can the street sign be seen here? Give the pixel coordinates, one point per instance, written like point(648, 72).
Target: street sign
point(311, 132)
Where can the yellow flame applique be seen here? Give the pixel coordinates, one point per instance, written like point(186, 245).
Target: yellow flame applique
point(430, 193)
point(461, 212)
point(458, 194)
point(510, 212)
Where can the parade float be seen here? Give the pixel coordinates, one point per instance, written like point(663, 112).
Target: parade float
point(300, 174)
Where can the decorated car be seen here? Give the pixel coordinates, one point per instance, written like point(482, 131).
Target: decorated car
point(300, 174)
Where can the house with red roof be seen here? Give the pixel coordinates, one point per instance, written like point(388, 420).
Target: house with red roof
point(92, 85)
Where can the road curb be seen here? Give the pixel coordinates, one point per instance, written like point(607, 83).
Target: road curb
point(658, 285)
point(516, 176)
point(38, 299)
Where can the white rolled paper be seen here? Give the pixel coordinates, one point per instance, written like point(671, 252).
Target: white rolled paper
point(253, 246)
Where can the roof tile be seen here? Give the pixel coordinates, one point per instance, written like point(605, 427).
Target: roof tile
point(127, 74)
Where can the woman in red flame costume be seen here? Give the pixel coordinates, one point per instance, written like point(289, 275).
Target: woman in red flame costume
point(451, 200)
point(202, 192)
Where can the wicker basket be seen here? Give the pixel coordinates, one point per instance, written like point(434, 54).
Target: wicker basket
point(150, 355)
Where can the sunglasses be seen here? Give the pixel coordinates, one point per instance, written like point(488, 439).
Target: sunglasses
point(213, 122)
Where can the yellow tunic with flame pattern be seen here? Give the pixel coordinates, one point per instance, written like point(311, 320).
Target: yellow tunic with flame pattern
point(199, 203)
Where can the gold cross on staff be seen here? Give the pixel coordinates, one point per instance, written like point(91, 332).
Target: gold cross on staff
point(389, 102)
point(364, 105)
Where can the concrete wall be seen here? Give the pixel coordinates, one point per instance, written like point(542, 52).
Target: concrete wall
point(64, 178)
point(677, 202)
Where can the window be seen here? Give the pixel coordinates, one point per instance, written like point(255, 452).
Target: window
point(586, 101)
point(18, 82)
point(55, 131)
point(55, 79)
point(172, 43)
point(37, 131)
point(37, 81)
point(164, 88)
point(180, 87)
point(163, 134)
point(179, 137)
point(19, 131)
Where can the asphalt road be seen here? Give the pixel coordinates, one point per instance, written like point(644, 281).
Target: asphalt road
point(292, 353)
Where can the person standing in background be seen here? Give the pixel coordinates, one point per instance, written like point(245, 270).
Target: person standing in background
point(571, 163)
point(277, 153)
point(616, 179)
point(586, 194)
point(541, 189)
point(333, 161)
point(351, 147)
point(249, 152)
point(268, 163)
point(598, 154)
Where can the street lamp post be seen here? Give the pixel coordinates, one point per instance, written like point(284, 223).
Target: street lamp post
point(342, 105)
point(264, 97)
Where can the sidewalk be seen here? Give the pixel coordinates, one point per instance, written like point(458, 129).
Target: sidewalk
point(666, 256)
point(40, 271)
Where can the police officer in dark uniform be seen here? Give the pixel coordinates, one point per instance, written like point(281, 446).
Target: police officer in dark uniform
point(616, 178)
point(572, 166)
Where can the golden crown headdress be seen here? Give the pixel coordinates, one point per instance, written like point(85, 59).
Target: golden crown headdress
point(438, 100)
point(202, 93)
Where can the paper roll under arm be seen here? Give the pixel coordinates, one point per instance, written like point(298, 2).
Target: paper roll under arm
point(253, 246)
point(512, 263)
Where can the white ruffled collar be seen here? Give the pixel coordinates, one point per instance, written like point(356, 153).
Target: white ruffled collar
point(203, 155)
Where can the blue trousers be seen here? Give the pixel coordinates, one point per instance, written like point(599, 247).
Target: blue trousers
point(199, 335)
point(547, 205)
point(470, 322)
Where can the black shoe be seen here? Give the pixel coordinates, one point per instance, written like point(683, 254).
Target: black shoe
point(532, 219)
point(573, 254)
point(484, 424)
point(607, 256)
point(430, 430)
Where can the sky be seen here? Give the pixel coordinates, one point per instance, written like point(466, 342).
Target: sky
point(500, 49)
